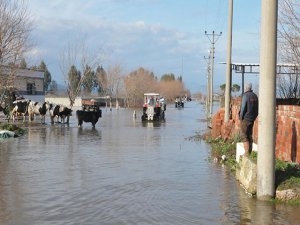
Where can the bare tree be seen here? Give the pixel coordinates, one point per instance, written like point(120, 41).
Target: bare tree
point(171, 89)
point(288, 86)
point(110, 82)
point(137, 83)
point(77, 55)
point(114, 81)
point(16, 25)
point(101, 78)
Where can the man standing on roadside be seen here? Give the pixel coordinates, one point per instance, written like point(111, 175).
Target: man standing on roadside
point(247, 115)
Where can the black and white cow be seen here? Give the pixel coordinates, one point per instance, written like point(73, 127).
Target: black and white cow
point(20, 108)
point(65, 113)
point(54, 111)
point(88, 116)
point(59, 111)
point(35, 108)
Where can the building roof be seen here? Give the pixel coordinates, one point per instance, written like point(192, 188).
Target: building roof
point(22, 72)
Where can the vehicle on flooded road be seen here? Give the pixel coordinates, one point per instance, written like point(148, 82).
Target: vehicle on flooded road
point(179, 102)
point(154, 107)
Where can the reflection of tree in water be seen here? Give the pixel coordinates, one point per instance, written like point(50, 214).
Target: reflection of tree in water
point(37, 134)
point(4, 167)
point(60, 135)
point(294, 143)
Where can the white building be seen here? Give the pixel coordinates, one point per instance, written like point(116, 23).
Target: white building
point(28, 83)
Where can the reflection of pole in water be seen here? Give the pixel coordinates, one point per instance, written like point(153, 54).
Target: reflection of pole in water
point(247, 207)
point(263, 213)
point(134, 114)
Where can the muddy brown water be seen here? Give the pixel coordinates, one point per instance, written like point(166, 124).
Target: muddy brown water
point(124, 171)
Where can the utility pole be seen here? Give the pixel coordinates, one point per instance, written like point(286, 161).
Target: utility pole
point(267, 101)
point(228, 64)
point(213, 39)
point(208, 96)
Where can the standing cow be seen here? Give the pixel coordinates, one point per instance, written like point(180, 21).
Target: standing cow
point(35, 108)
point(64, 114)
point(88, 116)
point(20, 108)
point(54, 111)
point(59, 112)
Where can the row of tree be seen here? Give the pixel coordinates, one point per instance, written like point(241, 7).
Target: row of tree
point(84, 76)
point(113, 83)
point(78, 65)
point(16, 24)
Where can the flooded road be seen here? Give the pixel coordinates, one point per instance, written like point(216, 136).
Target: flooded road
point(124, 172)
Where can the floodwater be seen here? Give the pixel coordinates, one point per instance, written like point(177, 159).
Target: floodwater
point(124, 172)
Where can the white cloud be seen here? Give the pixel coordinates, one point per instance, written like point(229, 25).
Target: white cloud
point(34, 53)
point(133, 32)
point(140, 24)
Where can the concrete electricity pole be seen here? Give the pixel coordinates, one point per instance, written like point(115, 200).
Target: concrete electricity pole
point(213, 41)
point(267, 101)
point(228, 64)
point(208, 96)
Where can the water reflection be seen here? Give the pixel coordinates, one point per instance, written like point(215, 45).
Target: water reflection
point(124, 171)
point(153, 124)
point(90, 132)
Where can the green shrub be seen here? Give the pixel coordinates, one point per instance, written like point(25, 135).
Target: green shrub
point(287, 175)
point(222, 147)
point(12, 127)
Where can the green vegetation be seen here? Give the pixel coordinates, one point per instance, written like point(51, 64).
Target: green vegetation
point(222, 147)
point(287, 175)
point(12, 127)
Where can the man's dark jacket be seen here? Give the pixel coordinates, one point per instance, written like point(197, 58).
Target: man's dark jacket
point(249, 107)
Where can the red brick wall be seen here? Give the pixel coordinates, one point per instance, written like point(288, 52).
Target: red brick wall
point(287, 132)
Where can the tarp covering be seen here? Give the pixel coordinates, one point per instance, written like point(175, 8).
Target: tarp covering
point(7, 134)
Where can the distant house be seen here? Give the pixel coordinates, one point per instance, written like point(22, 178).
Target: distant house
point(28, 83)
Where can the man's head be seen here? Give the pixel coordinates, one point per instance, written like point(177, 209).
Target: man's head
point(248, 87)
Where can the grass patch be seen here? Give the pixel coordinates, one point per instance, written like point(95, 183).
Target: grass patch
point(287, 175)
point(221, 147)
point(12, 127)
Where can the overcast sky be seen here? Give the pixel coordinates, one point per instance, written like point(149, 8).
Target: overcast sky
point(164, 36)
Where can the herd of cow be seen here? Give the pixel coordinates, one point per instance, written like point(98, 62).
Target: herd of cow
point(58, 113)
point(24, 107)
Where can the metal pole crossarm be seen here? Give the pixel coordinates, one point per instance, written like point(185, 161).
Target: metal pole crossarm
point(213, 34)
